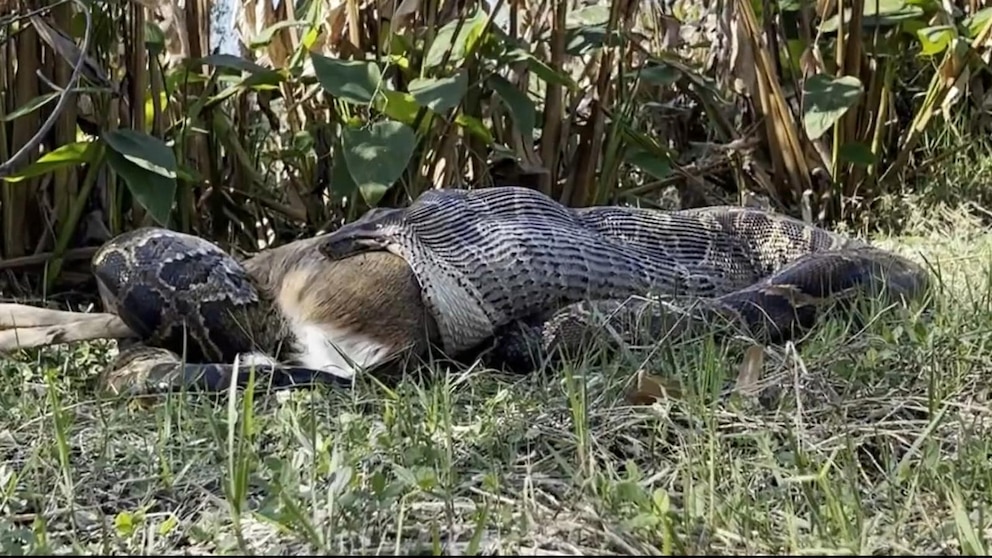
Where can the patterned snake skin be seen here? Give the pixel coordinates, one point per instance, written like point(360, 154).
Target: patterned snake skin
point(492, 258)
point(183, 295)
point(506, 264)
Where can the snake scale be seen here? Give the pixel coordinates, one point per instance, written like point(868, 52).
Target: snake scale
point(507, 264)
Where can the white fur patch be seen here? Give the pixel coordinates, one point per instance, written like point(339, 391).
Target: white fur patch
point(337, 352)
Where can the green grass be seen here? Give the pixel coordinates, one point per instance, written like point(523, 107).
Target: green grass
point(862, 441)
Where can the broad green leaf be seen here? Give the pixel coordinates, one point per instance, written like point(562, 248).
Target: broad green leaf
point(143, 150)
point(876, 13)
point(398, 105)
point(440, 94)
point(152, 190)
point(125, 523)
point(520, 105)
point(857, 153)
point(460, 45)
point(68, 155)
point(826, 100)
point(659, 167)
point(935, 39)
point(975, 23)
point(882, 19)
point(265, 36)
point(354, 81)
point(148, 167)
point(377, 155)
point(342, 184)
point(271, 79)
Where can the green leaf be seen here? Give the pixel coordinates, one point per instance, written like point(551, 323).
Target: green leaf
point(42, 100)
point(460, 45)
point(342, 184)
point(440, 94)
point(879, 13)
point(154, 192)
point(377, 155)
point(975, 23)
point(154, 38)
point(520, 105)
point(30, 106)
point(826, 100)
point(125, 523)
point(794, 49)
point(148, 167)
point(265, 36)
point(354, 81)
point(658, 167)
point(68, 155)
point(549, 74)
point(398, 105)
point(167, 525)
point(145, 151)
point(936, 38)
point(269, 80)
point(475, 127)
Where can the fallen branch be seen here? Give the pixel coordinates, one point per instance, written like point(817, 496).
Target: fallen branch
point(25, 327)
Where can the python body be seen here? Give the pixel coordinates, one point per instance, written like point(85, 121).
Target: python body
point(510, 264)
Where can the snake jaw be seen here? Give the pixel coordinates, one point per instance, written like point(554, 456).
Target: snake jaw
point(372, 232)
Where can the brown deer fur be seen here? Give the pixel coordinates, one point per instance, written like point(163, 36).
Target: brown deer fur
point(371, 300)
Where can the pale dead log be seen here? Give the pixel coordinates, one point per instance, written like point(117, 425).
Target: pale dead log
point(23, 315)
point(25, 327)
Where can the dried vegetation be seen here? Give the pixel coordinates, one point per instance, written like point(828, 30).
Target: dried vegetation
point(121, 114)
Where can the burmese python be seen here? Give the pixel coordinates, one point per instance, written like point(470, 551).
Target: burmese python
point(183, 295)
point(511, 264)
